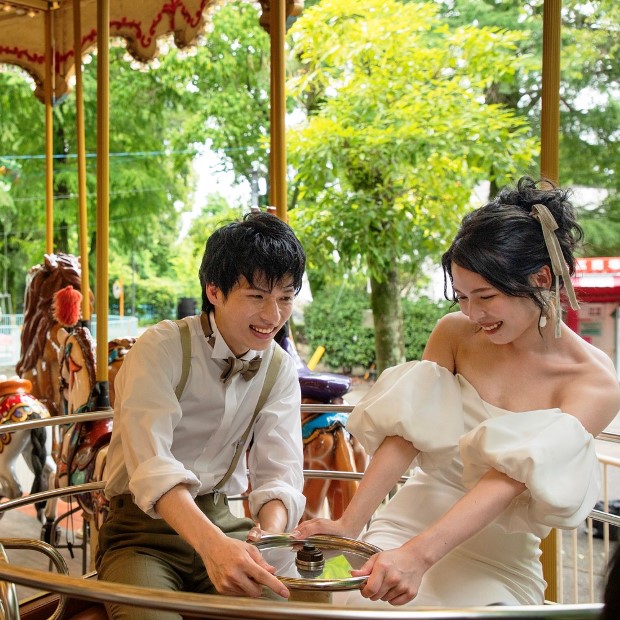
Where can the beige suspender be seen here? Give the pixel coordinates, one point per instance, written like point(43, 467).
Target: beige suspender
point(186, 347)
point(270, 378)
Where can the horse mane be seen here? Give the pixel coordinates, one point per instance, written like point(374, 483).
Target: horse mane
point(56, 272)
point(87, 344)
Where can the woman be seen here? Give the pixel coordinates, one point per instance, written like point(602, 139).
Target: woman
point(499, 416)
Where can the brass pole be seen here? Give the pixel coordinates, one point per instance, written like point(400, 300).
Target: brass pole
point(278, 107)
point(550, 113)
point(272, 145)
point(81, 158)
point(549, 169)
point(49, 138)
point(103, 189)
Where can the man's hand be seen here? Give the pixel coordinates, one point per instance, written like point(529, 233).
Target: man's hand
point(235, 567)
point(238, 568)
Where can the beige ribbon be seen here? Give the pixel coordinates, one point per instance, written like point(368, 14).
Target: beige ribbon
point(558, 264)
point(233, 365)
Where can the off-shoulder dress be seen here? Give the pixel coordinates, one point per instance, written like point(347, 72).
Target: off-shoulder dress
point(460, 437)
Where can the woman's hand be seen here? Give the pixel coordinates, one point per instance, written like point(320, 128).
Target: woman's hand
point(255, 534)
point(323, 526)
point(393, 576)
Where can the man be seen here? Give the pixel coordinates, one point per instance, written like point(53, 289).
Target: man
point(180, 428)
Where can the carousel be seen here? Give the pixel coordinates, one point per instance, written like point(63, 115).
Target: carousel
point(64, 372)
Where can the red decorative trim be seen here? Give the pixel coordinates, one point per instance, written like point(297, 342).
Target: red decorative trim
point(118, 27)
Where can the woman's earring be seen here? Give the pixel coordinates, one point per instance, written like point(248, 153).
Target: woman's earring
point(542, 321)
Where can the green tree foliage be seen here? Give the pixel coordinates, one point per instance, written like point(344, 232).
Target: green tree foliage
point(226, 84)
point(590, 104)
point(149, 175)
point(397, 135)
point(216, 91)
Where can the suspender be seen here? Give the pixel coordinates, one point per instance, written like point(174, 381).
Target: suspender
point(186, 347)
point(270, 378)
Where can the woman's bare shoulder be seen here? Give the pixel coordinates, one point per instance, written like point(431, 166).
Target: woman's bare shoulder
point(593, 389)
point(448, 338)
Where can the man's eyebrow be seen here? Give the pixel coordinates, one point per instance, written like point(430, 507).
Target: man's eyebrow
point(256, 287)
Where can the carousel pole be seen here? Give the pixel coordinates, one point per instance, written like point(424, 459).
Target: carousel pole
point(103, 199)
point(81, 160)
point(549, 170)
point(277, 32)
point(49, 137)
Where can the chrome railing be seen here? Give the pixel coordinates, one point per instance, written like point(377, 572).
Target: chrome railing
point(42, 580)
point(224, 607)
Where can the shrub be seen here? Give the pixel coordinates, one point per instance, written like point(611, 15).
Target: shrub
point(335, 320)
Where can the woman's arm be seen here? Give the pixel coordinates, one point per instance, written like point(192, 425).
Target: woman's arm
point(390, 461)
point(395, 576)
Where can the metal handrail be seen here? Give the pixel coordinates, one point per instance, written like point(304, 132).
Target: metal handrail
point(224, 607)
point(104, 414)
point(213, 606)
point(9, 598)
point(62, 420)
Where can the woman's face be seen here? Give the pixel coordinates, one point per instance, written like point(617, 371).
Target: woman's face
point(501, 317)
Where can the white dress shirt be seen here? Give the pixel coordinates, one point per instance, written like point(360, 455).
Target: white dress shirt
point(159, 442)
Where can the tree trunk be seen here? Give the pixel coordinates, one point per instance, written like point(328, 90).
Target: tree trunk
point(388, 318)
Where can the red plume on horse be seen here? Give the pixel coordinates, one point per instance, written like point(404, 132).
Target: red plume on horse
point(67, 306)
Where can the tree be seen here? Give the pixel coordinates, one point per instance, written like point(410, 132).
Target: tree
point(159, 114)
point(590, 82)
point(397, 136)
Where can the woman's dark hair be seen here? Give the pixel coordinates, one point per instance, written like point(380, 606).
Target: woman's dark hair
point(259, 245)
point(504, 243)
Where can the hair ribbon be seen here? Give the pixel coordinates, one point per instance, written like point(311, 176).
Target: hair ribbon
point(549, 226)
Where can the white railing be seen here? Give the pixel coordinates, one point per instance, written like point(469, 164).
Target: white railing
point(11, 327)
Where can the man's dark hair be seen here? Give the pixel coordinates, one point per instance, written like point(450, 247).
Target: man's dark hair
point(259, 245)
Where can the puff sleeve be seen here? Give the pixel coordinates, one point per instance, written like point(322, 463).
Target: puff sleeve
point(412, 400)
point(551, 453)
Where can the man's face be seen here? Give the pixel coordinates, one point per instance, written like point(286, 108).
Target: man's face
point(250, 316)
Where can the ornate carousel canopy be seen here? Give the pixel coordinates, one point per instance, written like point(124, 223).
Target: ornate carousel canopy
point(139, 22)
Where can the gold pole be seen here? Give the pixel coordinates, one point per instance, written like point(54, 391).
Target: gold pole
point(81, 159)
point(550, 113)
point(49, 138)
point(273, 181)
point(278, 107)
point(103, 189)
point(549, 169)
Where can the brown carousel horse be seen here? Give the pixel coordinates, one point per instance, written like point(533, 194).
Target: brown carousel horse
point(38, 362)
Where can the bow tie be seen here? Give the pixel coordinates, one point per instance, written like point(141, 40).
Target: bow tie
point(234, 365)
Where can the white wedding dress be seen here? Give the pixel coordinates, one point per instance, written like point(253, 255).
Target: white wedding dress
point(460, 437)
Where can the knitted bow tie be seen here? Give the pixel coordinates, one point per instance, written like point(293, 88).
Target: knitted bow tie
point(233, 365)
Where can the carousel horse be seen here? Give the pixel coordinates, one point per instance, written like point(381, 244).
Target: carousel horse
point(38, 362)
point(328, 446)
point(17, 405)
point(84, 444)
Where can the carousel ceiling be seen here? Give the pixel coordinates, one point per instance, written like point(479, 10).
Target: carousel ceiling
point(139, 22)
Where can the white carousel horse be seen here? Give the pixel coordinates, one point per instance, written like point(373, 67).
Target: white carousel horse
point(84, 444)
point(17, 405)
